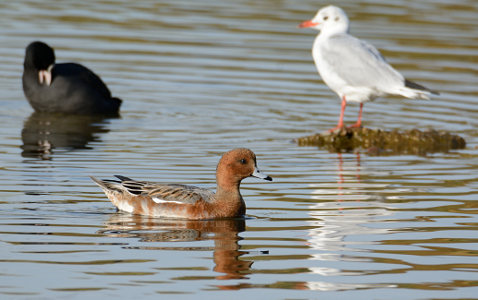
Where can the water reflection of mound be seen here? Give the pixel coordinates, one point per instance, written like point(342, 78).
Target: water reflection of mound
point(224, 232)
point(43, 133)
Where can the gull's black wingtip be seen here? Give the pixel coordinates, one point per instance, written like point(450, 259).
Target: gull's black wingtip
point(416, 86)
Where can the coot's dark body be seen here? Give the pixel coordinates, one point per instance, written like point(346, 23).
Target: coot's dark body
point(63, 88)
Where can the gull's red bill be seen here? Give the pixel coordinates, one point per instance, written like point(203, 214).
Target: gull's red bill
point(308, 23)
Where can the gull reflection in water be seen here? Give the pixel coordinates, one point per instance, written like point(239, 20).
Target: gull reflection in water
point(224, 233)
point(340, 211)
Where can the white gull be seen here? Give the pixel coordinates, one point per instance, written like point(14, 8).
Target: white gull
point(352, 68)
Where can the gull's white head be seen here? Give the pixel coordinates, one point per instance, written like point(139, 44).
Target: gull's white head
point(329, 20)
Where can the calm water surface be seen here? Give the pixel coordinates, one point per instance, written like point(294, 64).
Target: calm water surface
point(199, 78)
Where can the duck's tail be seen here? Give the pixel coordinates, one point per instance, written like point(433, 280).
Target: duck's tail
point(108, 185)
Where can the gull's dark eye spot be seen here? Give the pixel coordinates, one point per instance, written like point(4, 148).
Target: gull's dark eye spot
point(243, 161)
point(325, 18)
point(337, 18)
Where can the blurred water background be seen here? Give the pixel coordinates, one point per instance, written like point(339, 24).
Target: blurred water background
point(199, 78)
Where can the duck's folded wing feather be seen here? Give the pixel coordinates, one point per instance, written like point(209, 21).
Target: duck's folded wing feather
point(162, 193)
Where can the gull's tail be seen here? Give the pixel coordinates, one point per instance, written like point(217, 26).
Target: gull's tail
point(416, 91)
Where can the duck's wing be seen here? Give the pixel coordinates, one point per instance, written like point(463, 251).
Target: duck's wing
point(164, 193)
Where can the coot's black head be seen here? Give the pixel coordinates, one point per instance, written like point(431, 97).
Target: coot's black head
point(39, 56)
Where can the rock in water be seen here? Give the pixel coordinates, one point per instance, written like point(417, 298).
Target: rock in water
point(379, 142)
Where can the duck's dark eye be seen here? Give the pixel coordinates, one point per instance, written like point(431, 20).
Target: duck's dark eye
point(243, 161)
point(325, 18)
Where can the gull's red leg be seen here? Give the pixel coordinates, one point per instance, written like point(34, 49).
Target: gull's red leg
point(358, 124)
point(341, 118)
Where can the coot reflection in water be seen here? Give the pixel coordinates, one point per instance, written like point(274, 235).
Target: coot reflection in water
point(43, 133)
point(224, 232)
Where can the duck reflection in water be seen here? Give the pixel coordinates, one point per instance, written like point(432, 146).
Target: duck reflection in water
point(224, 232)
point(43, 133)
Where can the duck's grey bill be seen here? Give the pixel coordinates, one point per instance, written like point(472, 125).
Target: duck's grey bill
point(260, 175)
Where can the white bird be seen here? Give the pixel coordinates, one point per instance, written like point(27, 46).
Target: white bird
point(352, 68)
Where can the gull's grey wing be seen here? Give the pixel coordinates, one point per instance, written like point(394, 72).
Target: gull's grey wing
point(359, 63)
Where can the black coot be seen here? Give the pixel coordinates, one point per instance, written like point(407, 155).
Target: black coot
point(63, 88)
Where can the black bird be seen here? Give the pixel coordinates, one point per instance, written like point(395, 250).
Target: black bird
point(63, 88)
